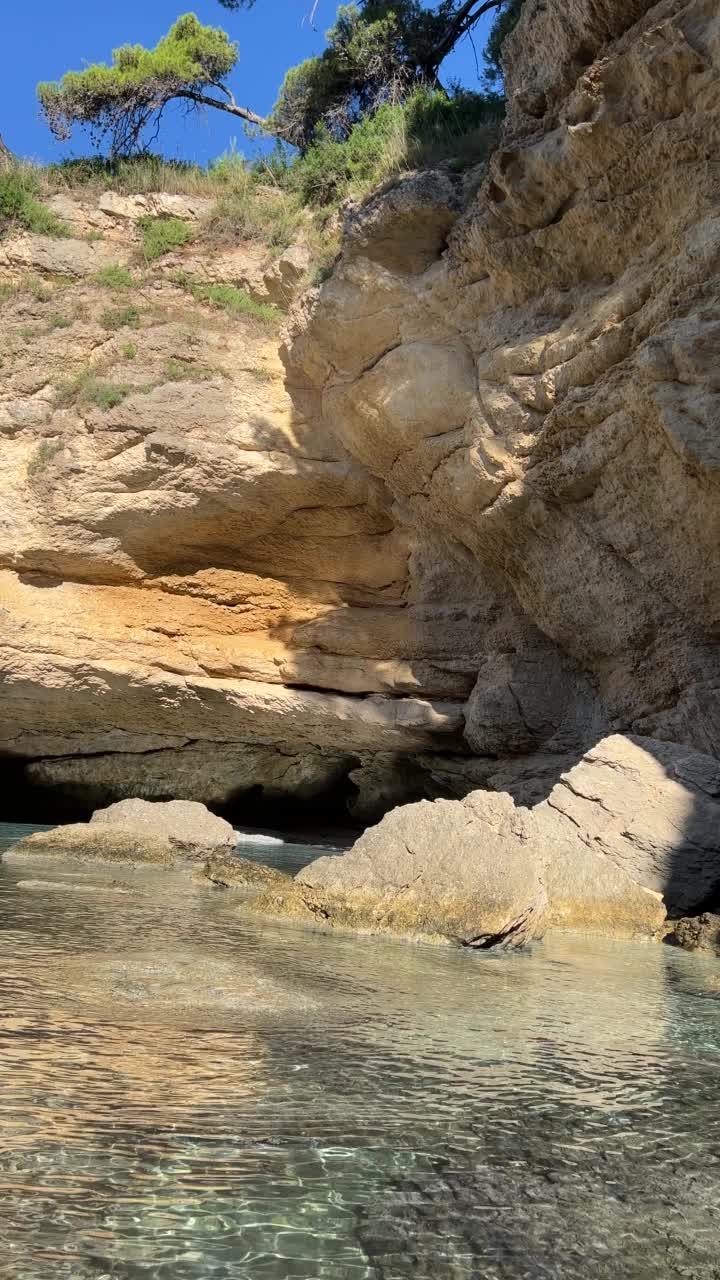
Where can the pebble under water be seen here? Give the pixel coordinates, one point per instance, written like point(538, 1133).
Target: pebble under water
point(189, 1095)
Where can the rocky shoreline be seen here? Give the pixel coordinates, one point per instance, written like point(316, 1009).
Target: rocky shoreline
point(628, 841)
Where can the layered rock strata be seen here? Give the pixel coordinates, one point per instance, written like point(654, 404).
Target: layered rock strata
point(464, 530)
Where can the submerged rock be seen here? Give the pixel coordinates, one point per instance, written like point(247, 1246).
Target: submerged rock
point(698, 933)
point(234, 872)
point(188, 826)
point(181, 979)
point(72, 886)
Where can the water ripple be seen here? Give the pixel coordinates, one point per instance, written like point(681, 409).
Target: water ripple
point(186, 1095)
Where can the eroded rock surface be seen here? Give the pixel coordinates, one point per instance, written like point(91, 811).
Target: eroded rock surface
point(698, 933)
point(461, 526)
point(244, 874)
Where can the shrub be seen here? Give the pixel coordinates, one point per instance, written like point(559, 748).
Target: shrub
point(43, 456)
point(129, 350)
point(19, 205)
point(162, 235)
point(329, 170)
point(236, 301)
point(251, 207)
point(190, 371)
point(119, 318)
point(38, 289)
point(58, 321)
point(106, 395)
point(87, 389)
point(429, 128)
point(115, 277)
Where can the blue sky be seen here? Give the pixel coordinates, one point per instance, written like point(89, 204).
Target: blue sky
point(44, 38)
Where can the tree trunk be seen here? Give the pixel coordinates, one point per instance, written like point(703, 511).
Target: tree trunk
point(6, 155)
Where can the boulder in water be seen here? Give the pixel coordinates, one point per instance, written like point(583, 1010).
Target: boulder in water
point(189, 827)
point(81, 840)
point(698, 933)
point(230, 871)
point(442, 871)
point(649, 809)
point(136, 831)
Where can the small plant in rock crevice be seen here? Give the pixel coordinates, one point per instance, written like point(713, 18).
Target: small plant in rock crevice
point(120, 318)
point(235, 301)
point(43, 456)
point(190, 371)
point(162, 235)
point(115, 276)
point(89, 389)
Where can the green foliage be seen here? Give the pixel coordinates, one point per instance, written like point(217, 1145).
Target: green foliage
point(162, 235)
point(190, 371)
point(235, 301)
point(38, 288)
point(505, 21)
point(132, 175)
point(88, 389)
point(377, 52)
point(20, 207)
point(119, 317)
point(42, 456)
point(429, 126)
point(129, 350)
point(121, 99)
point(113, 276)
point(251, 207)
point(58, 321)
point(106, 395)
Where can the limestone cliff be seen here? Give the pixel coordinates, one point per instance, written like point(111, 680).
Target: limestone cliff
point(467, 526)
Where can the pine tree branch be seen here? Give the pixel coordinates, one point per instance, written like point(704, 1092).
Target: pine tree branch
point(231, 106)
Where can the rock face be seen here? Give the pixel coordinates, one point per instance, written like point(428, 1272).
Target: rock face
point(631, 830)
point(650, 809)
point(459, 528)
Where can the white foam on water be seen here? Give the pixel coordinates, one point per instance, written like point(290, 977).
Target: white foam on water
point(256, 837)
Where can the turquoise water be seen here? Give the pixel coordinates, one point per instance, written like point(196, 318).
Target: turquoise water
point(185, 1094)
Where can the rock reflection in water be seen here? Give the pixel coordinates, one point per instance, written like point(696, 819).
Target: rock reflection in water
point(185, 1094)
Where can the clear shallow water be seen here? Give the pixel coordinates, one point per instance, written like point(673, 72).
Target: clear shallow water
point(186, 1095)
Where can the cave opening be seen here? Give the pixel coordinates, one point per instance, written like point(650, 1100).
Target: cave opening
point(27, 801)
